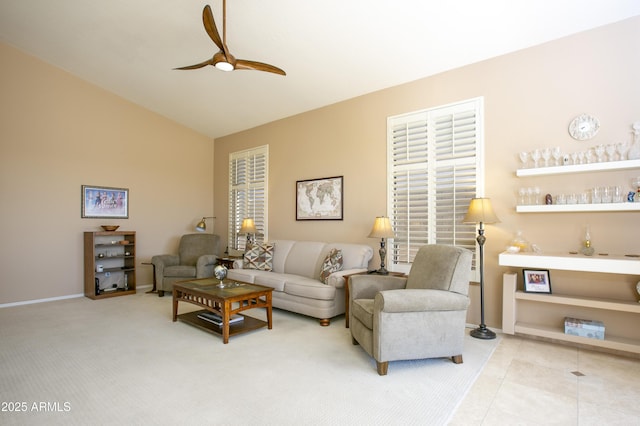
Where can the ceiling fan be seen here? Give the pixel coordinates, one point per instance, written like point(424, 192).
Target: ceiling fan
point(224, 60)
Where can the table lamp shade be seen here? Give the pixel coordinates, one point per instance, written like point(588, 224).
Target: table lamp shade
point(248, 226)
point(382, 228)
point(480, 211)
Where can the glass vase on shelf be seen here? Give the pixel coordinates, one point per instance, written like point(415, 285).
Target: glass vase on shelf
point(622, 148)
point(524, 158)
point(535, 156)
point(557, 155)
point(634, 150)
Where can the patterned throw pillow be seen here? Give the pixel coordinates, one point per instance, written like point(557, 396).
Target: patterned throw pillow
point(331, 264)
point(259, 256)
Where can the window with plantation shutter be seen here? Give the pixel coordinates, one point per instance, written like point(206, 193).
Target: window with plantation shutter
point(248, 183)
point(435, 169)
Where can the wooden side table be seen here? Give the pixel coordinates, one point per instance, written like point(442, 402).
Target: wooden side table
point(346, 291)
point(228, 261)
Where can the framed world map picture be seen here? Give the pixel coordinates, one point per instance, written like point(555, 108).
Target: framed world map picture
point(319, 199)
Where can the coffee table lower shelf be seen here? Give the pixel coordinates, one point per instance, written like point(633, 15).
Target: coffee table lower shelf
point(248, 324)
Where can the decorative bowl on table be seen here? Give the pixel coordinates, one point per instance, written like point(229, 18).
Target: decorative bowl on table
point(110, 228)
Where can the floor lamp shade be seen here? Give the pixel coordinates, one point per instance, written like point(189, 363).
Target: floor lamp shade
point(202, 225)
point(480, 212)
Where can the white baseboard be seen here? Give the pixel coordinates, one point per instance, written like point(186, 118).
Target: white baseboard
point(50, 299)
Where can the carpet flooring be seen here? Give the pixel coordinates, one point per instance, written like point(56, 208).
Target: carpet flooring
point(123, 361)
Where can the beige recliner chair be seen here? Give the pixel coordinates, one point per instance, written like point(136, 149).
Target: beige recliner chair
point(196, 258)
point(422, 315)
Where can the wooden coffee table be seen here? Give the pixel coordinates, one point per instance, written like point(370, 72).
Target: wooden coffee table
point(235, 297)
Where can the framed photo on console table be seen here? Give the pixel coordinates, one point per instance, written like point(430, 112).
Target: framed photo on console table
point(537, 281)
point(103, 201)
point(319, 199)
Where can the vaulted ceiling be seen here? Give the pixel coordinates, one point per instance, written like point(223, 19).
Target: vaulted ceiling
point(331, 50)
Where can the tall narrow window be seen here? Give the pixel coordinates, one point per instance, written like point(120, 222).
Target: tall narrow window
point(435, 169)
point(248, 183)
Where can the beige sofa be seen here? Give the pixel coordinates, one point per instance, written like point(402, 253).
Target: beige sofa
point(295, 276)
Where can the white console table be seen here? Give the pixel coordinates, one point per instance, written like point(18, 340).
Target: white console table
point(511, 297)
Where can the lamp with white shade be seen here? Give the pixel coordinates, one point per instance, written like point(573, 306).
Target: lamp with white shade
point(248, 227)
point(382, 229)
point(480, 212)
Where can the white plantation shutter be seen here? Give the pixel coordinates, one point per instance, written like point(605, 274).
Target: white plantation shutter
point(248, 183)
point(434, 162)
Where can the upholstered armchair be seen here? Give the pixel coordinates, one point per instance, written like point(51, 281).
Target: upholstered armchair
point(422, 315)
point(196, 258)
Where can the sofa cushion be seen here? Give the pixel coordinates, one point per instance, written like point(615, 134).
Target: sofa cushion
point(256, 276)
point(308, 287)
point(280, 252)
point(259, 256)
point(332, 263)
point(305, 259)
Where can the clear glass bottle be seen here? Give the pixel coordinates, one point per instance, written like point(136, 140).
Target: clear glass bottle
point(634, 151)
point(586, 249)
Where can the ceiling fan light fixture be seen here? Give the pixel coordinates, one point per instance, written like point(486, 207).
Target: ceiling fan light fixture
point(224, 66)
point(223, 62)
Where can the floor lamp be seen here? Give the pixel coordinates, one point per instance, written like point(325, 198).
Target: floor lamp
point(481, 212)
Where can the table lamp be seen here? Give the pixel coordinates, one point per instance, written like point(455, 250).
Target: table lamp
point(248, 227)
point(382, 229)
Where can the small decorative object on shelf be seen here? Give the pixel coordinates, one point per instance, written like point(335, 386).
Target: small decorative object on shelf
point(638, 290)
point(586, 249)
point(537, 281)
point(636, 185)
point(584, 328)
point(518, 244)
point(634, 151)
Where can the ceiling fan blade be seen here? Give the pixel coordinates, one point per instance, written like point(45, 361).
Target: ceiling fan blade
point(196, 66)
point(212, 30)
point(243, 64)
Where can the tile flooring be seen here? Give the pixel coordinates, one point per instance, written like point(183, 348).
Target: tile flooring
point(533, 382)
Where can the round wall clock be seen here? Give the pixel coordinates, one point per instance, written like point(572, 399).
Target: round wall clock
point(584, 127)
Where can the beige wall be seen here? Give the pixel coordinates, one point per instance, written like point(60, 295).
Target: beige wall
point(57, 133)
point(530, 98)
